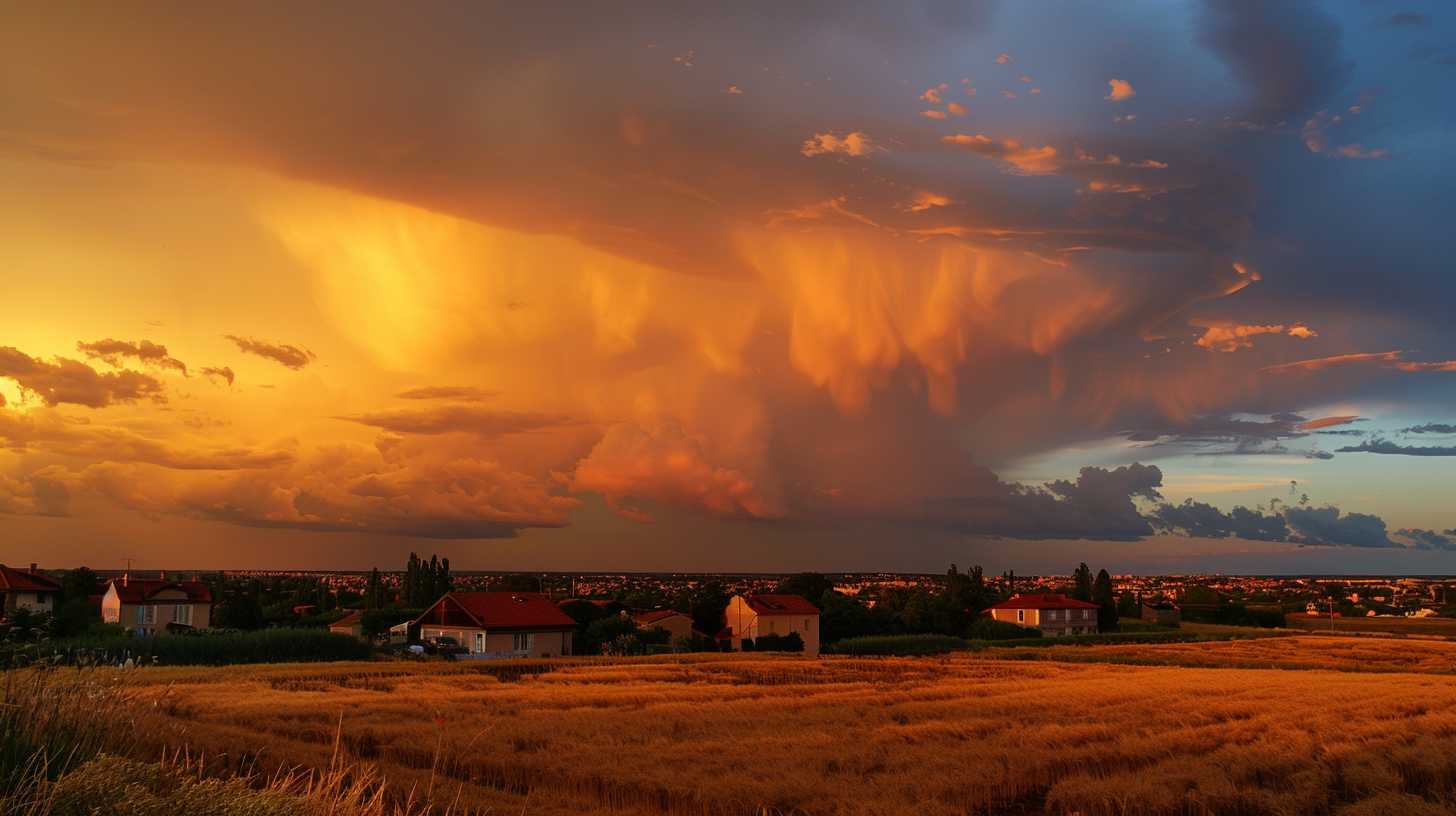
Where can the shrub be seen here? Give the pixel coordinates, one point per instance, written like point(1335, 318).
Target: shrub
point(898, 645)
point(986, 628)
point(791, 642)
point(215, 647)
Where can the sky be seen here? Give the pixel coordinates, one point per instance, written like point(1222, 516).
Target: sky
point(1159, 286)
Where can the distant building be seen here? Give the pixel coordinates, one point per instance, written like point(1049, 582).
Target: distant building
point(1161, 614)
point(153, 606)
point(753, 616)
point(351, 624)
point(675, 623)
point(28, 590)
point(1054, 614)
point(499, 624)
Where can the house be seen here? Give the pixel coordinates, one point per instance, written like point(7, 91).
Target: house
point(1161, 614)
point(1054, 614)
point(753, 616)
point(351, 624)
point(28, 590)
point(499, 624)
point(676, 624)
point(151, 606)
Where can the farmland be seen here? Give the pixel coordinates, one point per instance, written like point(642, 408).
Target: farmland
point(1190, 728)
point(1382, 624)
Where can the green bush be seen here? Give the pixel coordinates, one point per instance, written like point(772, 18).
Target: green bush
point(791, 642)
point(215, 647)
point(986, 628)
point(898, 645)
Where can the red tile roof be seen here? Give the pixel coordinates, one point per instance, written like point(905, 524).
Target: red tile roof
point(780, 605)
point(647, 618)
point(141, 590)
point(26, 581)
point(1047, 601)
point(511, 610)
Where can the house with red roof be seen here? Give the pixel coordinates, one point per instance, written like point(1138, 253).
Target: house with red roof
point(27, 589)
point(1054, 614)
point(753, 616)
point(499, 624)
point(675, 623)
point(152, 606)
point(351, 624)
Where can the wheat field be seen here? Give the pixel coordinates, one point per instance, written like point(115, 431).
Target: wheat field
point(753, 734)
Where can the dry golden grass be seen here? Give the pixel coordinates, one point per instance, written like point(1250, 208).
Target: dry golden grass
point(1441, 627)
point(1358, 654)
point(754, 734)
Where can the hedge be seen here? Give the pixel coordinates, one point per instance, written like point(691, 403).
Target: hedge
point(215, 648)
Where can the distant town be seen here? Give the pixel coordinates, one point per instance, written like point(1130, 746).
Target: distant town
point(427, 609)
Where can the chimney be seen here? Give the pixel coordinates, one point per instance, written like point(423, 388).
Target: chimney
point(32, 567)
point(126, 578)
point(164, 575)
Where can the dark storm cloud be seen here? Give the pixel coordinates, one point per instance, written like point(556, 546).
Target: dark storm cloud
point(1288, 54)
point(1428, 539)
point(1327, 525)
point(1230, 436)
point(285, 355)
point(463, 393)
point(468, 419)
point(1431, 428)
point(1197, 518)
point(1387, 447)
point(1100, 503)
point(114, 352)
point(74, 382)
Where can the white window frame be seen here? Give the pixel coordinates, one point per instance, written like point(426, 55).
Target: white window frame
point(147, 614)
point(182, 613)
point(521, 642)
point(1021, 616)
point(480, 643)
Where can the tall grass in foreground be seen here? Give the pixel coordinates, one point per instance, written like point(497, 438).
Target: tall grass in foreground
point(56, 727)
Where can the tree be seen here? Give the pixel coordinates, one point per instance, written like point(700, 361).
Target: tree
point(1102, 595)
point(603, 632)
point(706, 608)
point(79, 584)
point(443, 581)
point(374, 593)
point(810, 586)
point(1082, 579)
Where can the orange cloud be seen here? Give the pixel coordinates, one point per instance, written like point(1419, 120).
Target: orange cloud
point(1320, 363)
point(1121, 90)
point(285, 355)
point(663, 463)
point(933, 114)
point(1027, 160)
point(71, 381)
point(1226, 336)
point(854, 143)
point(114, 351)
point(957, 109)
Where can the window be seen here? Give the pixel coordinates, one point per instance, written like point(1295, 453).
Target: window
point(1021, 616)
point(521, 642)
point(479, 642)
point(806, 624)
point(146, 613)
point(182, 613)
point(1084, 614)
